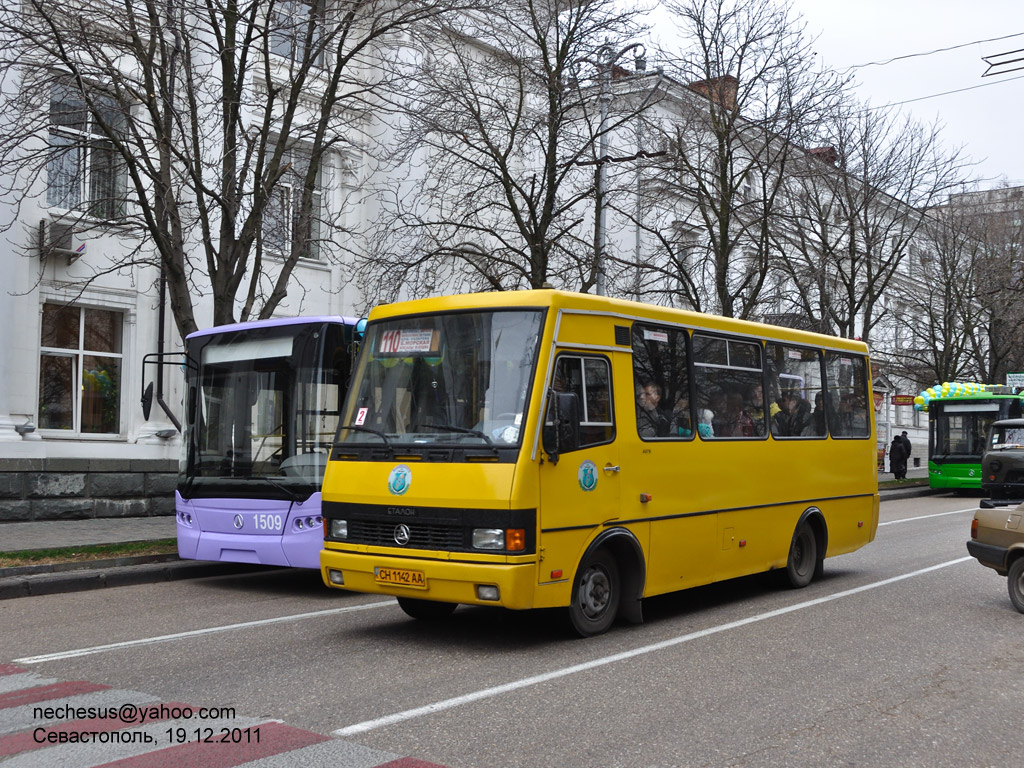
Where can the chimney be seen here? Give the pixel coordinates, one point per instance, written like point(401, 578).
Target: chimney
point(825, 154)
point(720, 90)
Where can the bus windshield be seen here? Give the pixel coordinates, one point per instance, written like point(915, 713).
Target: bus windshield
point(458, 380)
point(960, 428)
point(264, 407)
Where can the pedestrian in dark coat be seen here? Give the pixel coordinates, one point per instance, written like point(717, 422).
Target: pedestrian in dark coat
point(906, 444)
point(898, 459)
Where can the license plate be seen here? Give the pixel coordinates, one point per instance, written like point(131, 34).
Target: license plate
point(403, 578)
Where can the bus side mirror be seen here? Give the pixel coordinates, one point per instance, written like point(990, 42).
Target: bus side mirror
point(147, 401)
point(562, 425)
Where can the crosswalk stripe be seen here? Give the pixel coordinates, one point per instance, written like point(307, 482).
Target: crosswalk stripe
point(29, 739)
point(273, 739)
point(46, 692)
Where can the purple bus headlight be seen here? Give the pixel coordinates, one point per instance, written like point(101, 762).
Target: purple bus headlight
point(339, 529)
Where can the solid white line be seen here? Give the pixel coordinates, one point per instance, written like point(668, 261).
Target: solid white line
point(486, 693)
point(195, 633)
point(925, 517)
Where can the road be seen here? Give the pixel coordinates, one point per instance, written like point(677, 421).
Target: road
point(906, 653)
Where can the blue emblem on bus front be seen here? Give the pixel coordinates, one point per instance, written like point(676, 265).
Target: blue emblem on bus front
point(587, 475)
point(399, 480)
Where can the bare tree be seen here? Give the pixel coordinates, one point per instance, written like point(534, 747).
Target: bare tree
point(501, 136)
point(858, 205)
point(203, 133)
point(997, 223)
point(936, 317)
point(752, 91)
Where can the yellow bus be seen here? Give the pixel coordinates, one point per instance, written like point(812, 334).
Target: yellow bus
point(541, 449)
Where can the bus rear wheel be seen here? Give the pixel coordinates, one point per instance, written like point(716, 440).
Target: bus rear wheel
point(426, 610)
point(595, 595)
point(803, 557)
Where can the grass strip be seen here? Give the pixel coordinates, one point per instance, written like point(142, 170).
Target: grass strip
point(89, 552)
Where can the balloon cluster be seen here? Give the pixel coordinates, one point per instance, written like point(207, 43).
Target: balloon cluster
point(948, 389)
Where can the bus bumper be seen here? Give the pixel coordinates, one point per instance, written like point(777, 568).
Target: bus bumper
point(445, 580)
point(206, 531)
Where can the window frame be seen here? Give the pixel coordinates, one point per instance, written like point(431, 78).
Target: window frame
point(582, 396)
point(646, 325)
point(76, 190)
point(823, 390)
point(287, 193)
point(833, 422)
point(78, 355)
point(297, 14)
point(759, 342)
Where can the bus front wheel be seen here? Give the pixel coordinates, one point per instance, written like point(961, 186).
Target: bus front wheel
point(803, 557)
point(426, 610)
point(595, 595)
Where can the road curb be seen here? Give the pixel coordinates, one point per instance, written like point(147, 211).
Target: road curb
point(116, 575)
point(896, 494)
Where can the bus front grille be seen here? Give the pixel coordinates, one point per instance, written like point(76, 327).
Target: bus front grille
point(421, 535)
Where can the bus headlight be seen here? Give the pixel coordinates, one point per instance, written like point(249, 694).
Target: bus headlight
point(336, 577)
point(509, 539)
point(339, 529)
point(488, 538)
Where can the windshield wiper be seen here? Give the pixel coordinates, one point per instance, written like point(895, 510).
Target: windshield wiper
point(463, 431)
point(377, 432)
point(280, 486)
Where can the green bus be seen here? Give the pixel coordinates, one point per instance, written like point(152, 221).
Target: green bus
point(959, 416)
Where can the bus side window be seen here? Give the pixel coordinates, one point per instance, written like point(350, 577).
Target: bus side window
point(847, 387)
point(589, 378)
point(728, 378)
point(795, 379)
point(661, 381)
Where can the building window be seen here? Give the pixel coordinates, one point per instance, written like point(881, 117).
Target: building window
point(290, 30)
point(84, 171)
point(285, 229)
point(80, 370)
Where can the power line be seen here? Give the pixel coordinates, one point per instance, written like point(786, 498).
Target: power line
point(929, 53)
point(946, 93)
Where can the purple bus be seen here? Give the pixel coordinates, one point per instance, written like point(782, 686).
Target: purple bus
point(262, 403)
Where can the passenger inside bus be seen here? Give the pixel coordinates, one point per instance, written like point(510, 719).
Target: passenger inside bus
point(681, 423)
point(735, 422)
point(651, 421)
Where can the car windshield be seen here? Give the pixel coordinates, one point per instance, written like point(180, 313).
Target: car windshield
point(1007, 438)
point(458, 379)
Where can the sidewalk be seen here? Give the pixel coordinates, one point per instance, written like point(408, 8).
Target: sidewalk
point(72, 577)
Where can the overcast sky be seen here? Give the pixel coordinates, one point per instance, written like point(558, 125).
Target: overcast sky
point(988, 121)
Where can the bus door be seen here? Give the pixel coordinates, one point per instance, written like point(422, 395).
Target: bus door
point(580, 491)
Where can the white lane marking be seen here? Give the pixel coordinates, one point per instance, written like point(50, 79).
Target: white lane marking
point(439, 706)
point(925, 517)
point(195, 633)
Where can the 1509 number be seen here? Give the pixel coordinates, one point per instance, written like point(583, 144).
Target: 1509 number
point(267, 522)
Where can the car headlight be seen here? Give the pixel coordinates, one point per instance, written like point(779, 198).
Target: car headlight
point(339, 529)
